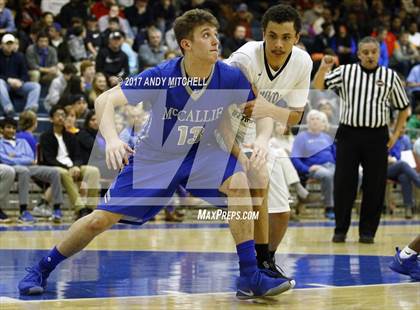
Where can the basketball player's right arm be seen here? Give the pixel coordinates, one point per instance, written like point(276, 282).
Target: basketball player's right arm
point(117, 152)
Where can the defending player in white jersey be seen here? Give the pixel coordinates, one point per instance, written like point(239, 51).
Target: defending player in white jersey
point(280, 72)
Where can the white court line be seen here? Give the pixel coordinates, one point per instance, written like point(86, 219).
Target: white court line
point(5, 299)
point(206, 294)
point(320, 285)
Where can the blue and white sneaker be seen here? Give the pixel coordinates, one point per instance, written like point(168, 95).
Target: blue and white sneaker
point(406, 266)
point(26, 217)
point(260, 284)
point(34, 282)
point(56, 216)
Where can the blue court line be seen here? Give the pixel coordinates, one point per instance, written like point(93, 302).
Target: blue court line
point(95, 274)
point(49, 227)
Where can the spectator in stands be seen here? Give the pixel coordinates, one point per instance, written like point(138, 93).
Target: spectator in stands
point(383, 56)
point(87, 71)
point(137, 117)
point(101, 8)
point(47, 19)
point(139, 15)
point(414, 36)
point(153, 52)
point(111, 60)
point(27, 124)
point(93, 36)
point(61, 150)
point(42, 60)
point(75, 87)
point(400, 171)
point(113, 25)
point(99, 85)
point(171, 42)
point(70, 120)
point(74, 8)
point(76, 44)
point(27, 15)
point(77, 103)
point(58, 85)
point(14, 77)
point(413, 84)
point(243, 17)
point(344, 46)
point(405, 54)
point(163, 14)
point(231, 44)
point(313, 155)
point(18, 153)
point(7, 21)
point(7, 177)
point(54, 33)
point(413, 124)
point(323, 40)
point(114, 11)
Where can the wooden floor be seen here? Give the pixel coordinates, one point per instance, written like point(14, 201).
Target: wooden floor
point(193, 266)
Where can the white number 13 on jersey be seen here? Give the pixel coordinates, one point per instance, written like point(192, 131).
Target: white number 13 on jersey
point(190, 135)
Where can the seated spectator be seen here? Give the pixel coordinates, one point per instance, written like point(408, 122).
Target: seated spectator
point(383, 56)
point(75, 87)
point(137, 117)
point(153, 52)
point(111, 60)
point(42, 60)
point(101, 8)
point(413, 124)
point(414, 36)
point(163, 14)
point(344, 46)
point(113, 25)
point(7, 21)
point(313, 155)
point(58, 85)
point(244, 18)
point(54, 33)
point(99, 85)
point(76, 44)
point(70, 121)
point(27, 124)
point(93, 36)
point(18, 153)
point(47, 19)
point(139, 15)
point(405, 54)
point(74, 8)
point(77, 103)
point(401, 172)
point(7, 178)
point(231, 44)
point(322, 41)
point(14, 77)
point(61, 150)
point(87, 71)
point(171, 42)
point(114, 11)
point(28, 15)
point(413, 85)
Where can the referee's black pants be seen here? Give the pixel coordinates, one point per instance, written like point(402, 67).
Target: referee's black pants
point(365, 146)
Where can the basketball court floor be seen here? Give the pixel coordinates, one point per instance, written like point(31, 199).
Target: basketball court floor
point(193, 265)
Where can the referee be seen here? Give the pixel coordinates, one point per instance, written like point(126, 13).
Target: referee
point(366, 92)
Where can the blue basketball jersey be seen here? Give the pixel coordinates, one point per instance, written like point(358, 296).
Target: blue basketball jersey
point(185, 111)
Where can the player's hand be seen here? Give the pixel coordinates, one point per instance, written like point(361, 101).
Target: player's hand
point(258, 108)
point(327, 63)
point(117, 153)
point(259, 154)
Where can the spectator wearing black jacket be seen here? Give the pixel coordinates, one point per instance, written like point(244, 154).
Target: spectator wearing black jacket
point(61, 149)
point(14, 77)
point(111, 60)
point(75, 8)
point(139, 15)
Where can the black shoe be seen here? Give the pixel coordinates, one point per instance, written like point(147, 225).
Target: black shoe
point(83, 212)
point(4, 218)
point(339, 238)
point(366, 239)
point(408, 213)
point(273, 270)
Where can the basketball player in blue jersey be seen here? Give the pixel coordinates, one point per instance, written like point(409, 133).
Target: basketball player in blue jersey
point(188, 96)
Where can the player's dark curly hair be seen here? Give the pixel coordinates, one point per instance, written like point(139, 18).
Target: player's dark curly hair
point(282, 13)
point(186, 23)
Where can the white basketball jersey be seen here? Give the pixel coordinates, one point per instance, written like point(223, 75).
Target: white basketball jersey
point(287, 87)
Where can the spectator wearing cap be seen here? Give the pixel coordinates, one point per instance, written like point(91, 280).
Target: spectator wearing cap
point(42, 60)
point(76, 44)
point(114, 11)
point(58, 85)
point(74, 8)
point(152, 53)
point(111, 60)
point(7, 22)
point(60, 149)
point(14, 77)
point(113, 25)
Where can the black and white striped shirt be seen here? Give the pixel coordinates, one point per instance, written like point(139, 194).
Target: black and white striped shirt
point(366, 95)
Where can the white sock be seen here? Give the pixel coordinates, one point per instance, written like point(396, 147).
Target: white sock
point(407, 252)
point(300, 190)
